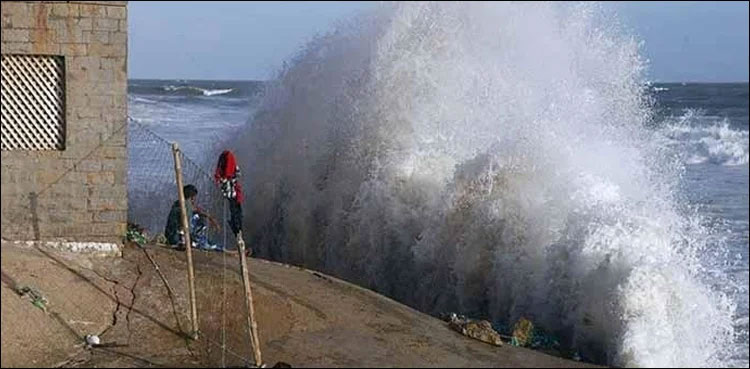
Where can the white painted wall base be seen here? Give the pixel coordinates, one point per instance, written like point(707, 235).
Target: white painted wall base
point(88, 248)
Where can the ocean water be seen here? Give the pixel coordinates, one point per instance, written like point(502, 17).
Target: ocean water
point(432, 153)
point(199, 115)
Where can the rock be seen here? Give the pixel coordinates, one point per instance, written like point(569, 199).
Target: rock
point(92, 340)
point(477, 329)
point(523, 332)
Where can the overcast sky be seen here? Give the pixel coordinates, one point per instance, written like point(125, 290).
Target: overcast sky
point(684, 41)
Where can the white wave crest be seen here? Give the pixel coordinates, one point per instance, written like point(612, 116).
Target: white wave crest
point(706, 139)
point(217, 92)
point(205, 92)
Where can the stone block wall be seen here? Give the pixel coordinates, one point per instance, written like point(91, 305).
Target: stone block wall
point(79, 193)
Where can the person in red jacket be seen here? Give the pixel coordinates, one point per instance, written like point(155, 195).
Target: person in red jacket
point(226, 175)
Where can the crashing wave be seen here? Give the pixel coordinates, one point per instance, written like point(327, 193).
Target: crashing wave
point(491, 159)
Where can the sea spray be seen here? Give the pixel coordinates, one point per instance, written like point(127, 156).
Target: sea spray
point(493, 159)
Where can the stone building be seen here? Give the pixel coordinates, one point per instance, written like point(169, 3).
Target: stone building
point(64, 121)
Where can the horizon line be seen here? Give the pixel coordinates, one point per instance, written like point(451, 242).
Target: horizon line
point(268, 80)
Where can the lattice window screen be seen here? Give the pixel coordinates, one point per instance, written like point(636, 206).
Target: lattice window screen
point(33, 102)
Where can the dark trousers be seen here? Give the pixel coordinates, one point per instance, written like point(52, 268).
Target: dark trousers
point(235, 216)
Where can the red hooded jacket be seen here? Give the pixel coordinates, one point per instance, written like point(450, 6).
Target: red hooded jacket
point(228, 171)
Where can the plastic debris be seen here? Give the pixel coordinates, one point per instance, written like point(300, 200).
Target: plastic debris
point(541, 339)
point(136, 234)
point(37, 299)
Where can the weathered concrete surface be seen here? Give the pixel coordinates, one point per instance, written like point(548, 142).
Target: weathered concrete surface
point(305, 318)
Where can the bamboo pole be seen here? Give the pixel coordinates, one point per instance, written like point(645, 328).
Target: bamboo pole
point(188, 244)
point(251, 324)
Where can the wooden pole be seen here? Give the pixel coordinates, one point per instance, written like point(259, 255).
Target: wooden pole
point(251, 324)
point(188, 244)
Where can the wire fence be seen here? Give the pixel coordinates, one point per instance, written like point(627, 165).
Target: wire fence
point(152, 188)
point(152, 191)
point(106, 297)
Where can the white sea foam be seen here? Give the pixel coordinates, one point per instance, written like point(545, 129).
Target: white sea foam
point(491, 159)
point(707, 139)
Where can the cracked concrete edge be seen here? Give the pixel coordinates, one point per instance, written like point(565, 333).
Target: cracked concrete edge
point(102, 249)
point(123, 294)
point(83, 354)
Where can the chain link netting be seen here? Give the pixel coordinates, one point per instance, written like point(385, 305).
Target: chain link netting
point(152, 190)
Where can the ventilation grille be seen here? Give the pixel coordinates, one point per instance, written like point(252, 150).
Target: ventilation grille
point(33, 102)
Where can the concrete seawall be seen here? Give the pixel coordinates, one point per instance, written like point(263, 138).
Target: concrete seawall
point(305, 318)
